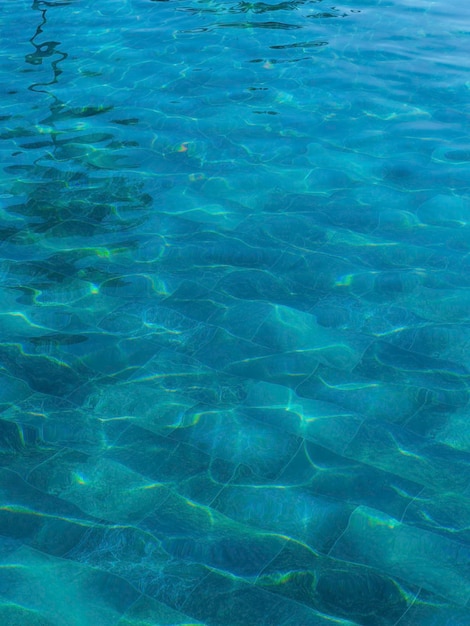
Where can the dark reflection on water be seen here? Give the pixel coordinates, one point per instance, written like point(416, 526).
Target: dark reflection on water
point(261, 7)
point(45, 49)
point(272, 25)
point(62, 194)
point(298, 8)
point(304, 44)
point(296, 13)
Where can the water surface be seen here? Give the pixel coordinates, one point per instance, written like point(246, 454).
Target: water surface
point(234, 313)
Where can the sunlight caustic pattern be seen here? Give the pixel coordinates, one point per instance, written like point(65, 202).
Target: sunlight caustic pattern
point(234, 313)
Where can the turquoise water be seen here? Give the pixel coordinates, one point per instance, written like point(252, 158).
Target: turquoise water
point(235, 313)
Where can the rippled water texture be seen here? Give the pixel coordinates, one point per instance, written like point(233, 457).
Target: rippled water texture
point(234, 313)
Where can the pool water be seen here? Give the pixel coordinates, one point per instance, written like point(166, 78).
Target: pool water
point(235, 313)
